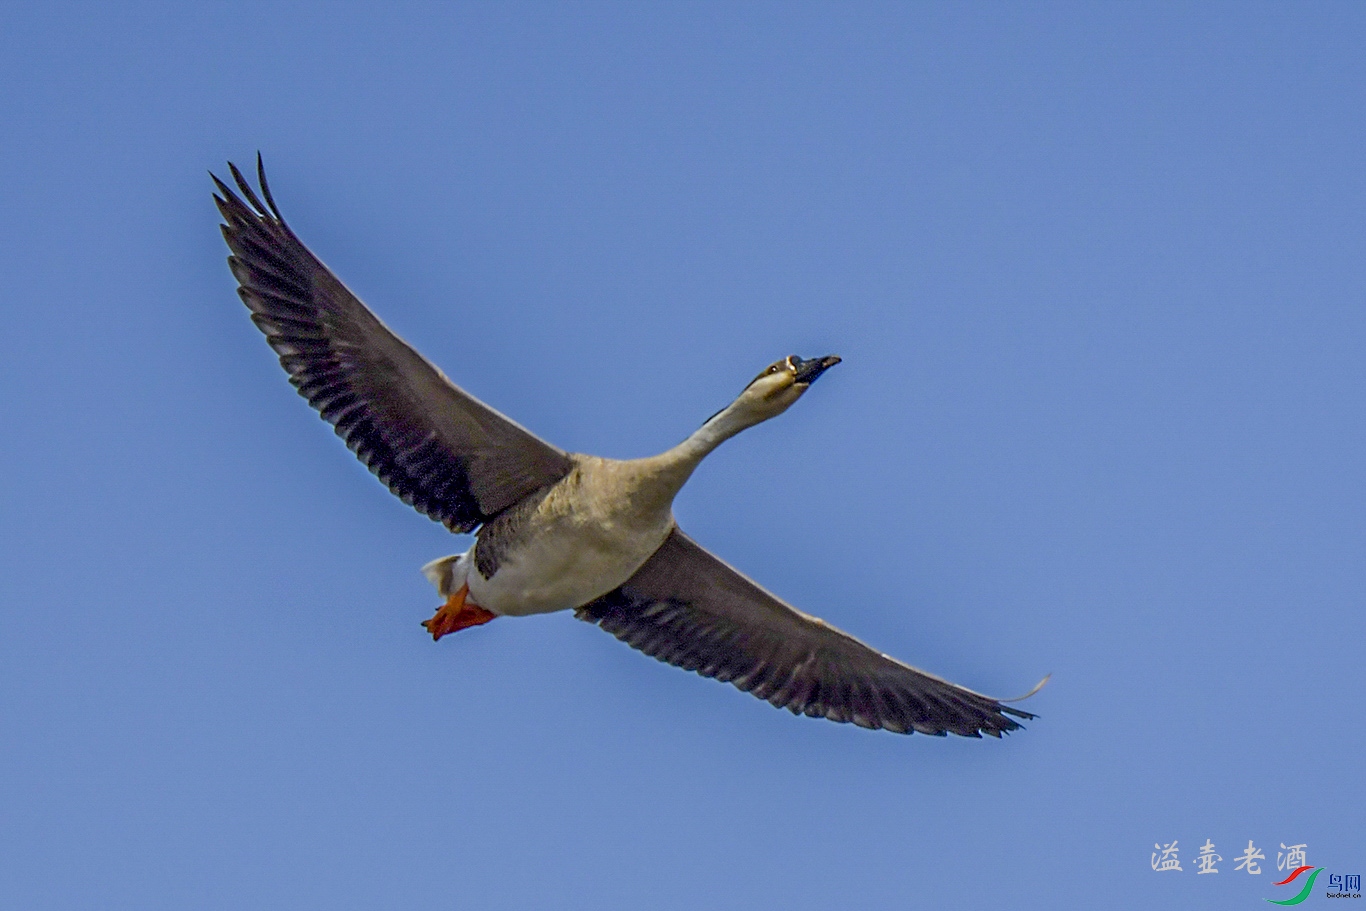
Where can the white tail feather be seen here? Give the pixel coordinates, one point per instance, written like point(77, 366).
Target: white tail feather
point(448, 573)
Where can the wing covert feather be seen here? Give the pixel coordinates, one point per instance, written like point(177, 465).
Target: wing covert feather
point(688, 608)
point(439, 449)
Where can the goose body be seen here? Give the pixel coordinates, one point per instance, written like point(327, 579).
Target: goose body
point(559, 531)
point(582, 537)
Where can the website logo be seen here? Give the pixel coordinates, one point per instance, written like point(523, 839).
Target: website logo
point(1304, 893)
point(1344, 885)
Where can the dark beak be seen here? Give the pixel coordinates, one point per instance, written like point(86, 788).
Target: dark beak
point(808, 371)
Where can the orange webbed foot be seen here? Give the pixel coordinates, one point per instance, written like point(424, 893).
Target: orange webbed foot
point(457, 614)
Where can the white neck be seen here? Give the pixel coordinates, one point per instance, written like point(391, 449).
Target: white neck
point(674, 467)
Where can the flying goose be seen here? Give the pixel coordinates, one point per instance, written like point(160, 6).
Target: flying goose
point(562, 531)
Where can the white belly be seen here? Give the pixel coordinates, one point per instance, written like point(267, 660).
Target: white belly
point(565, 566)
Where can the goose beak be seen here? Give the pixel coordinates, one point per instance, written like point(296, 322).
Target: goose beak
point(808, 371)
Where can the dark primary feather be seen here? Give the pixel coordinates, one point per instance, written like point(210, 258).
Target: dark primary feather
point(439, 449)
point(686, 607)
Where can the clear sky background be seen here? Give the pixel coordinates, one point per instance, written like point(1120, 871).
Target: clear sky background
point(1096, 272)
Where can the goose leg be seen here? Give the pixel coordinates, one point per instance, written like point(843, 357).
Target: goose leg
point(457, 614)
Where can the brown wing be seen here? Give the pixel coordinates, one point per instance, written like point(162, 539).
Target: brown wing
point(437, 448)
point(686, 607)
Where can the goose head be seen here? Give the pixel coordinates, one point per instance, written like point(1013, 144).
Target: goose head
point(779, 385)
point(768, 395)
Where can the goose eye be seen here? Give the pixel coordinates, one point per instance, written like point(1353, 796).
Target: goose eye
point(773, 369)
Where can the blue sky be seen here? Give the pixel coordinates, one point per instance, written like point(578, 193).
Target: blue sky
point(1096, 274)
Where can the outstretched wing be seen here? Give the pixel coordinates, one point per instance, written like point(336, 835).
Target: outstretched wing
point(686, 607)
point(440, 450)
